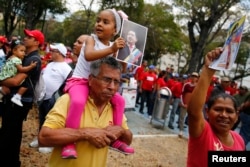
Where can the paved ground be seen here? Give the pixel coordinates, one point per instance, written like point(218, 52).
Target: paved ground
point(140, 125)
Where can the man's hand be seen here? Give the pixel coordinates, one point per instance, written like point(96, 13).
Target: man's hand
point(99, 137)
point(115, 130)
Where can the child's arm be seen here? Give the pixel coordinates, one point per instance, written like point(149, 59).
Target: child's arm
point(91, 54)
point(24, 69)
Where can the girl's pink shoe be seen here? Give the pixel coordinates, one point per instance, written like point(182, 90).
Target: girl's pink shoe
point(122, 147)
point(69, 152)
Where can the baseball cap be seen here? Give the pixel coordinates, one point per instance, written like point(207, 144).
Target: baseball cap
point(184, 76)
point(151, 67)
point(38, 35)
point(225, 79)
point(3, 39)
point(195, 74)
point(176, 75)
point(60, 47)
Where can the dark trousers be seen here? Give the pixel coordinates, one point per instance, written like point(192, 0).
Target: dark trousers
point(44, 109)
point(138, 96)
point(146, 97)
point(11, 132)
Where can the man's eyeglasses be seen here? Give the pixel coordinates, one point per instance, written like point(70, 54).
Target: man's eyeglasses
point(107, 81)
point(54, 50)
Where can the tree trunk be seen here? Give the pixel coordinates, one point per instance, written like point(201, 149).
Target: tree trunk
point(197, 47)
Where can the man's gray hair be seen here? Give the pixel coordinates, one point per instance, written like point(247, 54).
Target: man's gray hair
point(110, 61)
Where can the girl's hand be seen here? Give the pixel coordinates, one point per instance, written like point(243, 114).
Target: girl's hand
point(33, 64)
point(118, 44)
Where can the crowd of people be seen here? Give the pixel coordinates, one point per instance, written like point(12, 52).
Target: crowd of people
point(88, 118)
point(92, 86)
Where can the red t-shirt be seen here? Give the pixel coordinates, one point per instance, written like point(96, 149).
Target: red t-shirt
point(170, 83)
point(148, 81)
point(229, 90)
point(139, 73)
point(161, 82)
point(209, 90)
point(198, 147)
point(177, 89)
point(186, 89)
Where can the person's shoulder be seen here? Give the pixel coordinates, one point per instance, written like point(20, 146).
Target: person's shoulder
point(33, 56)
point(67, 66)
point(187, 84)
point(63, 100)
point(237, 139)
point(14, 58)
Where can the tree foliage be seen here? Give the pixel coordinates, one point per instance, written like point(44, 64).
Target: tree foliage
point(76, 24)
point(133, 8)
point(164, 35)
point(204, 17)
point(28, 11)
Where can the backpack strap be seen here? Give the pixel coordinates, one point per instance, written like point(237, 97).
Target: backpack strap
point(60, 90)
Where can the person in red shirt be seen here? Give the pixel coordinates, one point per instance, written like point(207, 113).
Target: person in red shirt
point(155, 96)
point(210, 88)
point(138, 76)
point(160, 82)
point(146, 88)
point(185, 97)
point(233, 87)
point(213, 134)
point(172, 80)
point(224, 86)
point(176, 97)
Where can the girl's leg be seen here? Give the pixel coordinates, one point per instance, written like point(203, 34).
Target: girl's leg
point(22, 90)
point(78, 98)
point(118, 104)
point(17, 97)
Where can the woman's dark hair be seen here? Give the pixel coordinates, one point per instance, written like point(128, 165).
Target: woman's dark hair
point(212, 100)
point(13, 44)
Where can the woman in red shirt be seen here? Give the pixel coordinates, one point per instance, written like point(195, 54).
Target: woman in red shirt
point(214, 134)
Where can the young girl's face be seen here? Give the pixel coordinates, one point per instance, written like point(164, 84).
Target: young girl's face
point(105, 26)
point(19, 51)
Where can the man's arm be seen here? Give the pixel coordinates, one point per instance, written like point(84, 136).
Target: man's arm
point(58, 137)
point(14, 81)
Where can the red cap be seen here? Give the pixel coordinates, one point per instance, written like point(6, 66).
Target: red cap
point(38, 35)
point(3, 39)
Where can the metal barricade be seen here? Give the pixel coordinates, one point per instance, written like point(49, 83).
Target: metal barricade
point(161, 106)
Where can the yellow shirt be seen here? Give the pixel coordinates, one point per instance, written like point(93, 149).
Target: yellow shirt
point(88, 155)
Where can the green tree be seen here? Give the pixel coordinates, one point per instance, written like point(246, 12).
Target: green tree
point(203, 17)
point(164, 35)
point(133, 8)
point(89, 14)
point(30, 11)
point(76, 24)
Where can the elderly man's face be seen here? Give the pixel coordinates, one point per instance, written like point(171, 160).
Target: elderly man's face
point(131, 37)
point(105, 84)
